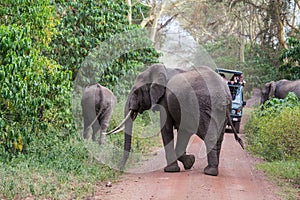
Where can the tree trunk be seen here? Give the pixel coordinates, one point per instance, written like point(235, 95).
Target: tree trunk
point(157, 15)
point(280, 27)
point(242, 38)
point(129, 17)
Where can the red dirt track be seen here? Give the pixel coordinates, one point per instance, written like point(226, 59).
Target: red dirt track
point(237, 180)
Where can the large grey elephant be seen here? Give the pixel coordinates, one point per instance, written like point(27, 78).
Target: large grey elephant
point(279, 89)
point(193, 101)
point(97, 105)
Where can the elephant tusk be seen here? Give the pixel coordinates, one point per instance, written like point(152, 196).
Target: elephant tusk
point(116, 130)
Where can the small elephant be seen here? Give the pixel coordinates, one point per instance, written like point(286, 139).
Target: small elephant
point(279, 89)
point(195, 101)
point(97, 105)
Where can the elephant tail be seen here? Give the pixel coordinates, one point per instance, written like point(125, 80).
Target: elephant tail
point(237, 138)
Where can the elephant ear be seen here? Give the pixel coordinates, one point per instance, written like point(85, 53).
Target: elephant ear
point(272, 87)
point(159, 81)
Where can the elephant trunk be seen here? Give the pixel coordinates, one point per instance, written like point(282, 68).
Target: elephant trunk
point(127, 135)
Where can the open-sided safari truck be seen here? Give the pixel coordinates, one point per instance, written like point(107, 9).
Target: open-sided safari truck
point(236, 84)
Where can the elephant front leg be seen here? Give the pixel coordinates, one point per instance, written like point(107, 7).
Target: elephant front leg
point(168, 141)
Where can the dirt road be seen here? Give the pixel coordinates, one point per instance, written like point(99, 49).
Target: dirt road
point(237, 179)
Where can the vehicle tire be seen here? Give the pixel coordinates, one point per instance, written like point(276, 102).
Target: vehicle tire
point(237, 126)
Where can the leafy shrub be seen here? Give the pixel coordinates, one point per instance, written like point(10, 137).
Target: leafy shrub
point(61, 170)
point(85, 26)
point(274, 133)
point(34, 92)
point(38, 15)
point(274, 105)
point(290, 58)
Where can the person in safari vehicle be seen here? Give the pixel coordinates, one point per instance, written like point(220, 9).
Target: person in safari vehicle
point(236, 85)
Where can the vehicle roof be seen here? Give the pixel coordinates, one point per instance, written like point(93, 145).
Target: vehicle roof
point(218, 70)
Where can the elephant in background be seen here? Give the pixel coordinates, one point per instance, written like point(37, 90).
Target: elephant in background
point(97, 105)
point(279, 89)
point(195, 101)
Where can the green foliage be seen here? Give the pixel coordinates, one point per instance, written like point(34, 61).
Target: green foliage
point(290, 57)
point(34, 91)
point(286, 174)
point(85, 26)
point(260, 66)
point(274, 106)
point(37, 134)
point(37, 15)
point(274, 133)
point(61, 170)
point(139, 11)
point(224, 52)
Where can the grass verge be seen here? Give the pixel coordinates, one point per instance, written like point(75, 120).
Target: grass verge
point(68, 172)
point(60, 166)
point(273, 134)
point(286, 174)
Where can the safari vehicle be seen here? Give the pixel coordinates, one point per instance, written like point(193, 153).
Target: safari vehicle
point(236, 85)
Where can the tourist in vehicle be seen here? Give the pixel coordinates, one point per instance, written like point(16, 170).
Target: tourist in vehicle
point(234, 80)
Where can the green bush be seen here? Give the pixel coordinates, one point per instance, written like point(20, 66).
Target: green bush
point(41, 154)
point(87, 25)
point(34, 92)
point(274, 105)
point(38, 15)
point(290, 58)
point(274, 133)
point(60, 170)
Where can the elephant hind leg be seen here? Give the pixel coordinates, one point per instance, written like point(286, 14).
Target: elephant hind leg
point(213, 163)
point(86, 133)
point(102, 137)
point(213, 158)
point(181, 146)
point(96, 130)
point(86, 129)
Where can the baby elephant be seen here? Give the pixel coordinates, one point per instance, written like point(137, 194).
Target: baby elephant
point(97, 105)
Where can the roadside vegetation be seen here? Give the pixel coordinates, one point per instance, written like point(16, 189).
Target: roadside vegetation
point(42, 46)
point(274, 135)
point(43, 43)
